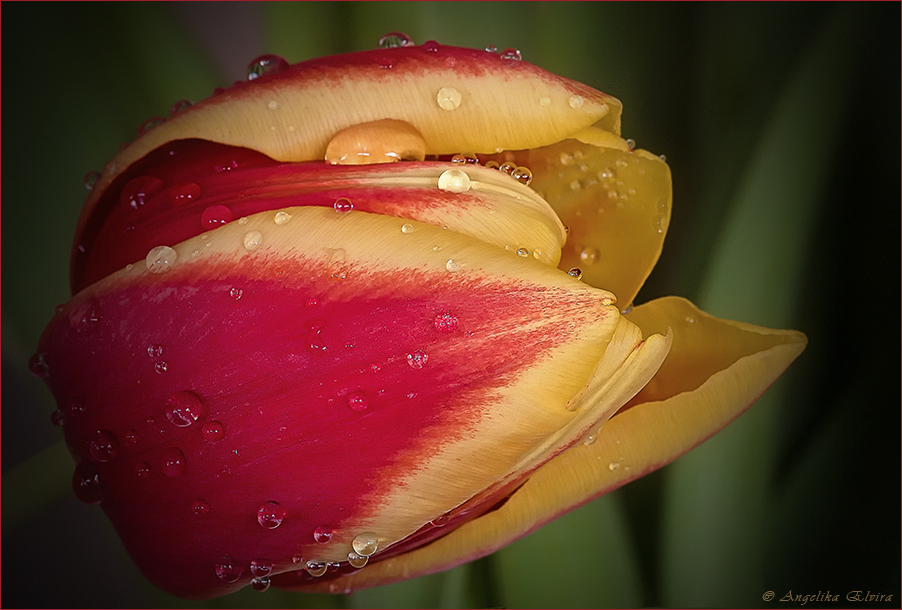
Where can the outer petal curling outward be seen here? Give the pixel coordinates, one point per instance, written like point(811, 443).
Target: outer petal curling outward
point(715, 370)
point(317, 351)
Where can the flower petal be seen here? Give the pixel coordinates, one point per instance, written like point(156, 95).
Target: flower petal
point(716, 369)
point(236, 349)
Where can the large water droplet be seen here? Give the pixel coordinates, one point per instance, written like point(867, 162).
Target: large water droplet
point(186, 192)
point(139, 191)
point(521, 174)
point(316, 568)
point(184, 408)
point(265, 64)
point(173, 462)
point(511, 55)
point(160, 259)
point(522, 252)
point(417, 359)
point(252, 240)
point(227, 569)
point(407, 228)
point(322, 534)
point(270, 515)
point(357, 561)
point(260, 583)
point(453, 266)
point(213, 431)
point(448, 98)
point(365, 544)
point(86, 483)
point(261, 567)
point(445, 322)
point(575, 101)
point(215, 216)
point(85, 317)
point(104, 446)
point(395, 39)
point(358, 400)
point(454, 181)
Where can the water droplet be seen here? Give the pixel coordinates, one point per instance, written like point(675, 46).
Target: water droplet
point(173, 462)
point(441, 520)
point(454, 181)
point(521, 174)
point(343, 205)
point(358, 400)
point(252, 240)
point(417, 359)
point(91, 179)
point(184, 193)
point(260, 583)
point(150, 124)
point(76, 408)
point(142, 469)
point(522, 252)
point(659, 223)
point(227, 569)
point(393, 40)
point(357, 561)
point(590, 439)
point(631, 144)
point(213, 431)
point(322, 534)
point(575, 101)
point(85, 317)
point(589, 255)
point(139, 191)
point(545, 101)
point(407, 228)
point(445, 322)
point(180, 106)
point(316, 568)
point(57, 417)
point(316, 343)
point(37, 364)
point(161, 367)
point(261, 567)
point(282, 218)
point(270, 515)
point(155, 351)
point(452, 265)
point(184, 408)
point(160, 259)
point(613, 465)
point(575, 272)
point(690, 320)
point(199, 507)
point(607, 301)
point(491, 49)
point(663, 158)
point(265, 64)
point(215, 216)
point(448, 98)
point(104, 446)
point(511, 55)
point(337, 268)
point(86, 483)
point(365, 544)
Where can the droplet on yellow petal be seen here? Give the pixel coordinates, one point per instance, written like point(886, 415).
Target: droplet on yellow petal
point(383, 141)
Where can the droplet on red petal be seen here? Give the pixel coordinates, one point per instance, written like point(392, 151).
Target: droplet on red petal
point(395, 39)
point(142, 469)
point(445, 322)
point(199, 507)
point(84, 317)
point(57, 418)
point(270, 515)
point(104, 446)
point(322, 534)
point(316, 568)
point(38, 366)
point(213, 431)
point(181, 194)
point(260, 583)
point(358, 400)
point(173, 462)
point(261, 567)
point(180, 106)
point(215, 216)
point(265, 64)
point(86, 483)
point(227, 569)
point(139, 191)
point(91, 179)
point(417, 359)
point(184, 408)
point(150, 124)
point(343, 205)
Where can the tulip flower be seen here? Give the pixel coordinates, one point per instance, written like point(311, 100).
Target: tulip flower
point(368, 317)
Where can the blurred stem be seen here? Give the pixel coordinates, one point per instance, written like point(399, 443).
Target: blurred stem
point(31, 487)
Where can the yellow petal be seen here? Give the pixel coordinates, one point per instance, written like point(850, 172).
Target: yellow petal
point(715, 370)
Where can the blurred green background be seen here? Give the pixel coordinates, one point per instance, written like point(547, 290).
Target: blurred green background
point(781, 126)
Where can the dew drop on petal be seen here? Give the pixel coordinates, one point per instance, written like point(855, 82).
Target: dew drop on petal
point(57, 418)
point(452, 265)
point(86, 483)
point(431, 46)
point(85, 317)
point(160, 259)
point(575, 272)
point(454, 181)
point(445, 322)
point(173, 462)
point(227, 569)
point(511, 55)
point(491, 49)
point(180, 106)
point(213, 431)
point(575, 101)
point(155, 351)
point(589, 255)
point(104, 446)
point(417, 359)
point(365, 544)
point(184, 408)
point(523, 175)
point(282, 218)
point(545, 101)
point(200, 507)
point(270, 515)
point(631, 144)
point(142, 469)
point(91, 179)
point(261, 567)
point(407, 228)
point(38, 366)
point(139, 191)
point(260, 583)
point(358, 400)
point(441, 520)
point(343, 205)
point(161, 367)
point(448, 98)
point(393, 40)
point(322, 534)
point(265, 64)
point(522, 252)
point(150, 124)
point(357, 561)
point(186, 192)
point(252, 240)
point(316, 568)
point(215, 216)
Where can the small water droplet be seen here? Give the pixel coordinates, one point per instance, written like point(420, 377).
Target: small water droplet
point(142, 469)
point(690, 320)
point(448, 98)
point(393, 40)
point(85, 317)
point(139, 191)
point(631, 144)
point(200, 507)
point(659, 223)
point(252, 240)
point(452, 265)
point(590, 439)
point(511, 55)
point(265, 64)
point(522, 252)
point(173, 462)
point(180, 106)
point(37, 364)
point(322, 534)
point(86, 483)
point(607, 174)
point(454, 181)
point(357, 561)
point(155, 351)
point(545, 101)
point(407, 228)
point(213, 431)
point(445, 322)
point(441, 520)
point(491, 49)
point(161, 367)
point(589, 255)
point(270, 515)
point(215, 216)
point(613, 465)
point(337, 267)
point(358, 400)
point(104, 446)
point(575, 101)
point(150, 124)
point(260, 583)
point(57, 417)
point(282, 218)
point(316, 568)
point(186, 192)
point(227, 569)
point(184, 408)
point(607, 301)
point(523, 175)
point(417, 359)
point(91, 179)
point(431, 46)
point(365, 544)
point(663, 158)
point(575, 272)
point(76, 408)
point(261, 567)
point(160, 259)
point(343, 205)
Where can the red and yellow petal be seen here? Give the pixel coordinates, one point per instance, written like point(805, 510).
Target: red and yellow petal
point(292, 387)
point(715, 370)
